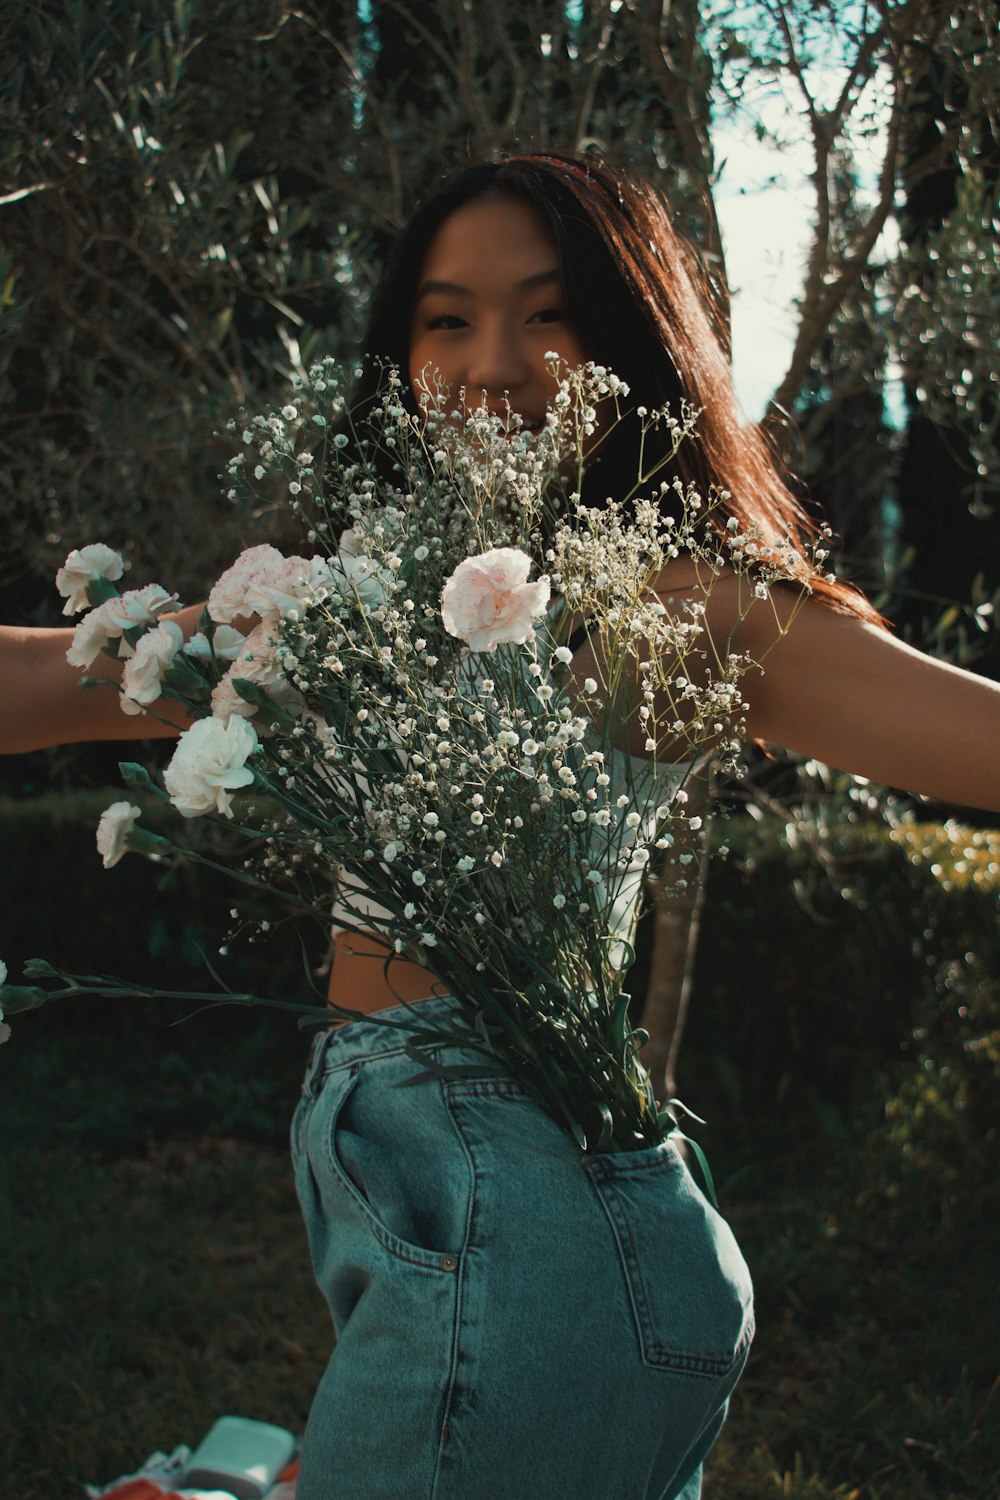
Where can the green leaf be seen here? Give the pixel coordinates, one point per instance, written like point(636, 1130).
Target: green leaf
point(186, 681)
point(250, 692)
point(135, 776)
point(99, 590)
point(40, 968)
point(607, 1126)
point(20, 997)
point(619, 1022)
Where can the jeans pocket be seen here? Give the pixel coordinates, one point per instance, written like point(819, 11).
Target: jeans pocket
point(400, 1170)
point(687, 1282)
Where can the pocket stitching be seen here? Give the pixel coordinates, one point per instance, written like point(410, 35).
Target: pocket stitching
point(426, 1260)
point(499, 1087)
point(296, 1130)
point(653, 1353)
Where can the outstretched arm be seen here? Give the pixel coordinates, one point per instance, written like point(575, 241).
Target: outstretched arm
point(853, 696)
point(41, 703)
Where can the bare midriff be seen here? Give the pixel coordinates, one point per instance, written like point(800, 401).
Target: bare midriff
point(360, 981)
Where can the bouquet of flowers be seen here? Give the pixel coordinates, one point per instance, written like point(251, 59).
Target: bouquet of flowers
point(399, 720)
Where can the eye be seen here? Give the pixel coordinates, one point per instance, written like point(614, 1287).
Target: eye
point(446, 322)
point(549, 315)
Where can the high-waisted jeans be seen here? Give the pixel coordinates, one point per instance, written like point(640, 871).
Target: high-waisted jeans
point(515, 1320)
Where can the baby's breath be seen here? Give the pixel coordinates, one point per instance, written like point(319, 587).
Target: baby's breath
point(478, 808)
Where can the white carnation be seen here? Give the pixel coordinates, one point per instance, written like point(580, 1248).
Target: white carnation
point(113, 830)
point(226, 644)
point(227, 599)
point(138, 607)
point(349, 544)
point(92, 636)
point(488, 599)
point(257, 662)
point(226, 701)
point(262, 581)
point(356, 576)
point(283, 695)
point(142, 679)
point(109, 621)
point(280, 592)
point(81, 568)
point(209, 764)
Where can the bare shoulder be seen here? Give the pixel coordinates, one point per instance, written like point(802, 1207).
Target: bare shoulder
point(736, 610)
point(827, 683)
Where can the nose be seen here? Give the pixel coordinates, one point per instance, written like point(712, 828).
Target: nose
point(496, 361)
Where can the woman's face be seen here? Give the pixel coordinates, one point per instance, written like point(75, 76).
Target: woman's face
point(490, 306)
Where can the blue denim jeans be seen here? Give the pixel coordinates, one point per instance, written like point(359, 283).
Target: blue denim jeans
point(514, 1319)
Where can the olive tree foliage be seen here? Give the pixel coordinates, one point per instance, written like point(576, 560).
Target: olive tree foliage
point(194, 200)
point(160, 265)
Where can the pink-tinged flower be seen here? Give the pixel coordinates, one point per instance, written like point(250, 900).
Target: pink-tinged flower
point(81, 568)
point(257, 662)
point(142, 679)
point(209, 764)
point(113, 830)
point(227, 600)
point(488, 600)
point(264, 582)
point(279, 593)
point(226, 701)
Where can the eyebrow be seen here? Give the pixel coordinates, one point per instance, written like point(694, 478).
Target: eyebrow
point(452, 288)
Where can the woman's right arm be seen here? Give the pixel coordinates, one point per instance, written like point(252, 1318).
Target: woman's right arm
point(41, 702)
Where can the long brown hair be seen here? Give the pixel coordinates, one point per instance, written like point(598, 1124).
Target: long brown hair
point(645, 308)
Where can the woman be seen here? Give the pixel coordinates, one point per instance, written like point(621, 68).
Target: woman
point(514, 1318)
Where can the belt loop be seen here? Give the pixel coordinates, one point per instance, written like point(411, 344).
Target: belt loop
point(315, 1063)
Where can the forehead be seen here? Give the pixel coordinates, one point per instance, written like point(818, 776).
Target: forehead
point(491, 242)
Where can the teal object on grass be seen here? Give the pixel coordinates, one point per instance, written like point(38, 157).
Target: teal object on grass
point(240, 1457)
point(513, 1318)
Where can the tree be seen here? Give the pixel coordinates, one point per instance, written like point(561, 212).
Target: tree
point(948, 312)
